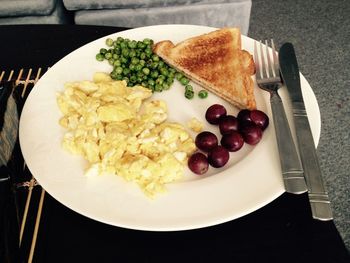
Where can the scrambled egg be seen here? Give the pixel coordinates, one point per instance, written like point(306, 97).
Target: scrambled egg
point(195, 125)
point(117, 131)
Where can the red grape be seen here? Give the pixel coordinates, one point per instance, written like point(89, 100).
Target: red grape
point(259, 118)
point(251, 133)
point(214, 113)
point(206, 140)
point(232, 141)
point(218, 156)
point(227, 124)
point(244, 116)
point(198, 163)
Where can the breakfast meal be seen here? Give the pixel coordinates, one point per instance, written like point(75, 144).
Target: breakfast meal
point(216, 62)
point(112, 122)
point(118, 131)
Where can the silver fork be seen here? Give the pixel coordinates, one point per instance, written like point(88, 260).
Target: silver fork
point(268, 78)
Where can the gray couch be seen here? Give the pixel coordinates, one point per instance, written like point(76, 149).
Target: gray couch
point(33, 12)
point(128, 13)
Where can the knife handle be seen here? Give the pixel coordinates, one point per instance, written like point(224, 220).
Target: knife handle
point(318, 196)
point(292, 170)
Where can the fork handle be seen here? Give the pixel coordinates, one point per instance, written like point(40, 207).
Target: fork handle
point(292, 171)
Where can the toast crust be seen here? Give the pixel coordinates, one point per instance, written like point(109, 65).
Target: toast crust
point(216, 62)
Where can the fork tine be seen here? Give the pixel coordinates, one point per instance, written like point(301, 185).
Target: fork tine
point(275, 59)
point(257, 61)
point(263, 64)
point(269, 69)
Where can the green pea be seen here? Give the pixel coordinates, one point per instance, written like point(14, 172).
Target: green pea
point(138, 67)
point(103, 51)
point(99, 57)
point(133, 79)
point(118, 70)
point(148, 41)
point(132, 44)
point(148, 52)
point(154, 65)
point(108, 55)
point(166, 86)
point(189, 94)
point(132, 67)
point(146, 71)
point(203, 94)
point(117, 63)
point(135, 60)
point(125, 52)
point(178, 76)
point(123, 60)
point(159, 80)
point(113, 75)
point(117, 50)
point(161, 64)
point(158, 87)
point(184, 81)
point(111, 61)
point(109, 42)
point(170, 81)
point(142, 62)
point(151, 82)
point(143, 55)
point(155, 58)
point(164, 71)
point(140, 45)
point(132, 53)
point(123, 45)
point(154, 74)
point(126, 71)
point(188, 87)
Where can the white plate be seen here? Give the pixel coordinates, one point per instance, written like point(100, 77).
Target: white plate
point(251, 180)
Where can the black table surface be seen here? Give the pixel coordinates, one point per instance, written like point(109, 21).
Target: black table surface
point(282, 231)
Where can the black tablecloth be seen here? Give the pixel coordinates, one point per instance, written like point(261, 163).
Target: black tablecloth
point(282, 231)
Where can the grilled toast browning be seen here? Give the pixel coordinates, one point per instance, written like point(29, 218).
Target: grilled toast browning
point(216, 62)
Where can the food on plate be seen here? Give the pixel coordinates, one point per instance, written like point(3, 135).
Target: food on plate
point(118, 131)
point(251, 133)
point(206, 141)
point(247, 127)
point(214, 113)
point(198, 163)
point(136, 63)
point(228, 124)
point(232, 141)
point(259, 118)
point(195, 125)
point(218, 156)
point(215, 61)
point(203, 94)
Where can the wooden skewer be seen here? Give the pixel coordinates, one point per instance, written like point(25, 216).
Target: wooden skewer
point(36, 228)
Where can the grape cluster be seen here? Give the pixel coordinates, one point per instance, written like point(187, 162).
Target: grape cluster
point(247, 127)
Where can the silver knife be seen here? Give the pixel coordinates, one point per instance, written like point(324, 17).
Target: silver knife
point(318, 197)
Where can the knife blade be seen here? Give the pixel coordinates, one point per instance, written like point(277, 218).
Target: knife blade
point(318, 196)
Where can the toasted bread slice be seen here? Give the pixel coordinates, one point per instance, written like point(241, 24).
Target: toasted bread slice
point(216, 62)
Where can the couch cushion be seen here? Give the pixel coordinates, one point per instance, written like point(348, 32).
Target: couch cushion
point(116, 4)
point(59, 15)
point(26, 7)
point(217, 15)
